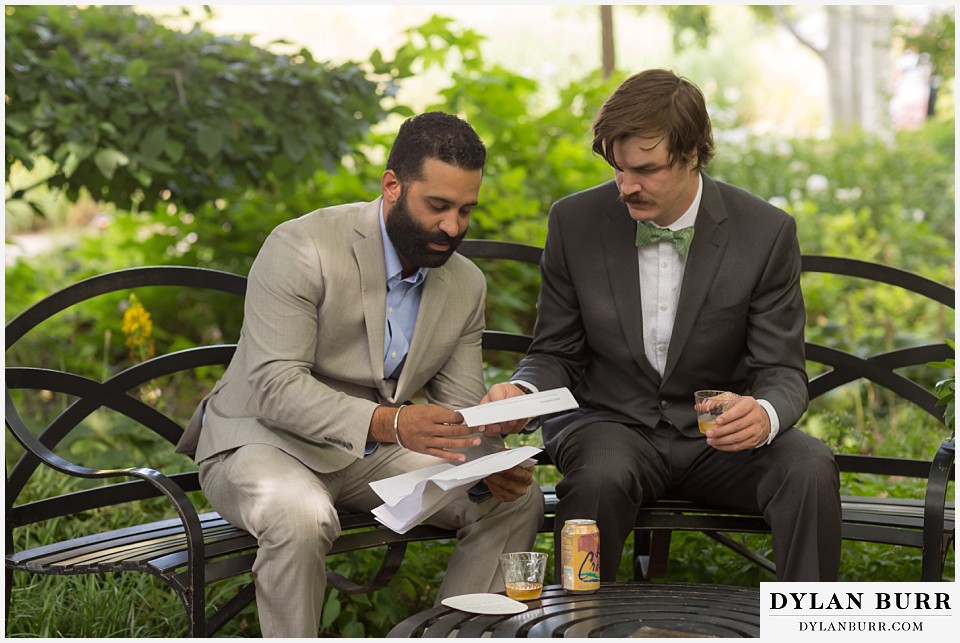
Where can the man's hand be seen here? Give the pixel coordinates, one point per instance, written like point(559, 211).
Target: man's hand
point(745, 425)
point(507, 486)
point(503, 391)
point(424, 428)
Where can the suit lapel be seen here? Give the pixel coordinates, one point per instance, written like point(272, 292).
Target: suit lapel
point(623, 272)
point(368, 250)
point(709, 243)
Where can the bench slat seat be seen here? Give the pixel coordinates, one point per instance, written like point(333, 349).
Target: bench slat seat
point(161, 548)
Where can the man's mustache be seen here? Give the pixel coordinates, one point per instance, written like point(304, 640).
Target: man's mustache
point(633, 199)
point(444, 238)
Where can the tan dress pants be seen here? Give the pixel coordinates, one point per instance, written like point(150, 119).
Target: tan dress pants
point(292, 511)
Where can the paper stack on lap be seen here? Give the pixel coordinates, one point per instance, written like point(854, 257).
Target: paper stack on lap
point(410, 498)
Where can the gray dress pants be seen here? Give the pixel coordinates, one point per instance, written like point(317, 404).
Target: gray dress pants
point(609, 470)
point(292, 511)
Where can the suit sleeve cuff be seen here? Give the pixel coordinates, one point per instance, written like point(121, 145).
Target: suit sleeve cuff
point(534, 422)
point(774, 422)
point(527, 385)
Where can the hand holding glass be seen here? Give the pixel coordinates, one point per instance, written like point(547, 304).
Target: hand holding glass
point(712, 404)
point(523, 574)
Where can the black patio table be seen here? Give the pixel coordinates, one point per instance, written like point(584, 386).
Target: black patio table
point(616, 610)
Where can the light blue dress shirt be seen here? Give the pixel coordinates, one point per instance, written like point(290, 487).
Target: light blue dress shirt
point(403, 306)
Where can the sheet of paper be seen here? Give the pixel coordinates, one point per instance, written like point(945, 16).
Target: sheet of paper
point(410, 498)
point(393, 490)
point(475, 470)
point(520, 407)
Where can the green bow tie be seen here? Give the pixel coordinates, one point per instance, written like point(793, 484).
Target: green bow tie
point(648, 234)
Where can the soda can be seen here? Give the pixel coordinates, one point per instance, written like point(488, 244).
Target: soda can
point(580, 556)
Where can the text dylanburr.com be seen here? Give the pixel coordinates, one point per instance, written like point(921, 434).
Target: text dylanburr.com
point(858, 609)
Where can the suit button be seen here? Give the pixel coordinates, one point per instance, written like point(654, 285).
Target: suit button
point(664, 404)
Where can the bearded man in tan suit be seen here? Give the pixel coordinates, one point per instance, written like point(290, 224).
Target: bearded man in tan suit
point(350, 311)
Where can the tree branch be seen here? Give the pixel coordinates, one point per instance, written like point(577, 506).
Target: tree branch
point(784, 20)
point(178, 79)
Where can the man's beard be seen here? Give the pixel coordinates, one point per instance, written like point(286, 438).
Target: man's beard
point(410, 238)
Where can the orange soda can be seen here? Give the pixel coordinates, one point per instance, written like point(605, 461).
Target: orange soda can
point(580, 556)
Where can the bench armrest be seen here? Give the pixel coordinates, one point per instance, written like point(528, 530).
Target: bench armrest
point(934, 510)
point(185, 509)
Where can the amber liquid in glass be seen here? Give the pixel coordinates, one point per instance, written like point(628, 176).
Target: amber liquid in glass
point(524, 590)
point(706, 422)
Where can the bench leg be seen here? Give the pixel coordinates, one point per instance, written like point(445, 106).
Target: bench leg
point(651, 549)
point(246, 595)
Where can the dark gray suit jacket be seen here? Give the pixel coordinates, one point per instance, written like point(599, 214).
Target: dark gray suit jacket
point(739, 323)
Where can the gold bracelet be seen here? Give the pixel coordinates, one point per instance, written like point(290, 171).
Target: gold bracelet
point(396, 426)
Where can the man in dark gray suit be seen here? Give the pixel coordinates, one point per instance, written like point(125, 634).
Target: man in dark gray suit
point(657, 284)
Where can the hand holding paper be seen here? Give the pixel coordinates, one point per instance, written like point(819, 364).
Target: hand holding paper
point(430, 429)
point(517, 407)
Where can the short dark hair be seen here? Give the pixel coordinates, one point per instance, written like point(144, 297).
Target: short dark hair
point(654, 103)
point(435, 135)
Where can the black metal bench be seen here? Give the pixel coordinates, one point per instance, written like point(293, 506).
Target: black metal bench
point(194, 550)
point(189, 552)
point(926, 523)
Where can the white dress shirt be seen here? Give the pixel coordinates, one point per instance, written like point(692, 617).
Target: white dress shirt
point(661, 274)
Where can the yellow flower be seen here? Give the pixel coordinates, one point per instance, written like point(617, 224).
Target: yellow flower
point(138, 330)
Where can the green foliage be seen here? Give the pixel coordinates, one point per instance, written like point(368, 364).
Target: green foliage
point(851, 196)
point(946, 391)
point(139, 113)
point(936, 39)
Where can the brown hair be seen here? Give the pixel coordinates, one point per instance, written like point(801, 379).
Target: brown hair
point(655, 103)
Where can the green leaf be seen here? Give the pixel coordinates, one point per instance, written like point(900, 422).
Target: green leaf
point(19, 210)
point(157, 165)
point(293, 145)
point(70, 164)
point(403, 110)
point(143, 177)
point(137, 70)
point(353, 630)
point(331, 610)
point(173, 149)
point(98, 97)
point(19, 123)
point(153, 143)
point(108, 160)
point(210, 141)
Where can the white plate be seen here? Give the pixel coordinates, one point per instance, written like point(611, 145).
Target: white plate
point(485, 604)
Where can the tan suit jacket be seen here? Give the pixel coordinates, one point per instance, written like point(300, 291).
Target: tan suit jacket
point(308, 371)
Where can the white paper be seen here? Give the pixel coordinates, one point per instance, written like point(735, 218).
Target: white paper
point(410, 498)
point(520, 407)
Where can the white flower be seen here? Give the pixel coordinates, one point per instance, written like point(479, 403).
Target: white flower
point(817, 183)
point(779, 202)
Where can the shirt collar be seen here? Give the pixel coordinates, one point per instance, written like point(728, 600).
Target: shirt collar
point(690, 216)
point(392, 260)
